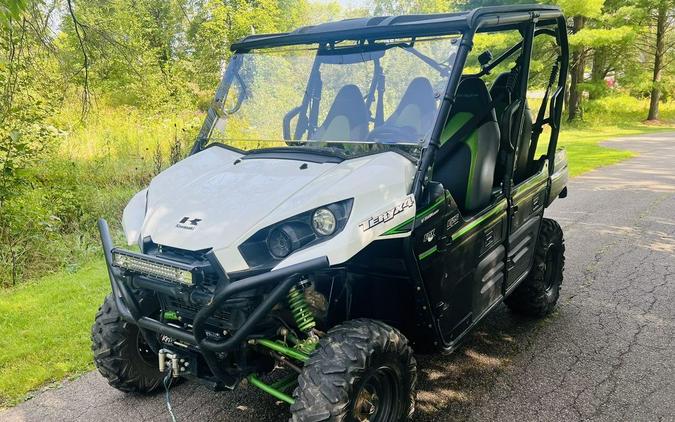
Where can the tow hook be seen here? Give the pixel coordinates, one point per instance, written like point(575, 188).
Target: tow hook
point(173, 361)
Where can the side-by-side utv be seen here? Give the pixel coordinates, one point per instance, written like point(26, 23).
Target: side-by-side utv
point(359, 189)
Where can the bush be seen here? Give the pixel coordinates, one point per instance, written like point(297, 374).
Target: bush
point(91, 172)
point(620, 109)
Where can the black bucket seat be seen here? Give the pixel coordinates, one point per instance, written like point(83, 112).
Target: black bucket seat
point(466, 166)
point(347, 119)
point(416, 110)
point(506, 109)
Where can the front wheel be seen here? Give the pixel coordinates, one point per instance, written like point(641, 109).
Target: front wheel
point(537, 295)
point(362, 370)
point(121, 354)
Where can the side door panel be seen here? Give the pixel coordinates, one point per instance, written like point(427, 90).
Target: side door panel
point(472, 269)
point(529, 200)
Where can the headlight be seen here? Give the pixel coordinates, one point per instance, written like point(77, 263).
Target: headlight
point(324, 222)
point(279, 243)
point(271, 244)
point(149, 267)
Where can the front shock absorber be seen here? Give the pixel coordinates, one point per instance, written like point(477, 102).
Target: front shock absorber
point(304, 319)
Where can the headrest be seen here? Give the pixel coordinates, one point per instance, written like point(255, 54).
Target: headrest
point(498, 88)
point(420, 93)
point(347, 118)
point(472, 97)
point(349, 103)
point(418, 103)
point(501, 81)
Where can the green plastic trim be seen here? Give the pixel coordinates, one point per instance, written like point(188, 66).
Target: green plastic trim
point(283, 349)
point(472, 143)
point(256, 382)
point(401, 228)
point(532, 182)
point(428, 253)
point(471, 225)
point(170, 315)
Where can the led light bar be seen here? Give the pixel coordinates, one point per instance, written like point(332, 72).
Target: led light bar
point(138, 264)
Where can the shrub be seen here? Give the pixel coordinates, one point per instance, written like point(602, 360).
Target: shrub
point(91, 170)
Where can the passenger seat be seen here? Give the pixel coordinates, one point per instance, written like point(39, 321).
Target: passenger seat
point(466, 168)
point(499, 90)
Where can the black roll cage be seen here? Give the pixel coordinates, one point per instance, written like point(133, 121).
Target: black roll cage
point(529, 32)
point(488, 19)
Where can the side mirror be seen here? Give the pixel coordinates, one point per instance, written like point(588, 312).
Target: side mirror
point(485, 58)
point(432, 192)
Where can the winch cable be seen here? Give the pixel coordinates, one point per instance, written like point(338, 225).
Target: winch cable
point(167, 384)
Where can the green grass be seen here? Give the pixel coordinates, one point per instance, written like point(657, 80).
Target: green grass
point(44, 324)
point(584, 149)
point(44, 329)
point(585, 152)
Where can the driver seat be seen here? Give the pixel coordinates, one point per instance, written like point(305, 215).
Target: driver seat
point(347, 119)
point(466, 167)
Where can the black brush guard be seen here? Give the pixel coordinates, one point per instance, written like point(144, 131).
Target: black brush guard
point(128, 306)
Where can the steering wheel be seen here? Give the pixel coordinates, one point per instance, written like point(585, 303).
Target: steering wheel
point(392, 134)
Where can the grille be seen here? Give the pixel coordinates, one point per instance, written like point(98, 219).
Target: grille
point(181, 305)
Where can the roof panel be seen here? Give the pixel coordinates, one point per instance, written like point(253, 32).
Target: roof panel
point(400, 26)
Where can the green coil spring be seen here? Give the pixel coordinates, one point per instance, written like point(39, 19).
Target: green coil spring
point(300, 310)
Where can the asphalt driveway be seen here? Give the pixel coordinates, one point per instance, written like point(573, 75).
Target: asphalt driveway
point(607, 353)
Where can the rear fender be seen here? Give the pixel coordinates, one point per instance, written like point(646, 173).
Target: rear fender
point(559, 177)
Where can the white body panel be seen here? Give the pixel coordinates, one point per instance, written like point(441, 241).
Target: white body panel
point(230, 199)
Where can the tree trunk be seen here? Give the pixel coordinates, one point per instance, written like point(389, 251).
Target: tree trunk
point(577, 74)
point(658, 62)
point(598, 72)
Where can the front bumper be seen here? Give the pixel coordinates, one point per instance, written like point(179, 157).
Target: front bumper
point(130, 309)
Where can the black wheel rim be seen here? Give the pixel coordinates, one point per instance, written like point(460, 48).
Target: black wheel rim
point(377, 398)
point(551, 264)
point(144, 351)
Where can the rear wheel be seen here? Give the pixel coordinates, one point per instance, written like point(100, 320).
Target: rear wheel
point(538, 294)
point(121, 354)
point(362, 370)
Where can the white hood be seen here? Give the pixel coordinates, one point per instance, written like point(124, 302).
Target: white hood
point(216, 200)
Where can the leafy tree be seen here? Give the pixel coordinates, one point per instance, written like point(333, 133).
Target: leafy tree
point(613, 45)
point(400, 7)
point(658, 40)
point(580, 11)
point(11, 10)
point(29, 94)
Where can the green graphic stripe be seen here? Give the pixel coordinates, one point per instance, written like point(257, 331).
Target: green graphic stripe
point(428, 253)
point(401, 228)
point(539, 179)
point(471, 225)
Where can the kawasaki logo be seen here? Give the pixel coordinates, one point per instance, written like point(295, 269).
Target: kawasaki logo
point(188, 223)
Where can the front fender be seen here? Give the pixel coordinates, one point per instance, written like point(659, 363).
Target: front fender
point(363, 228)
point(133, 217)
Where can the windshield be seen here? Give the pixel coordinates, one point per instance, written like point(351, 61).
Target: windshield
point(349, 97)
